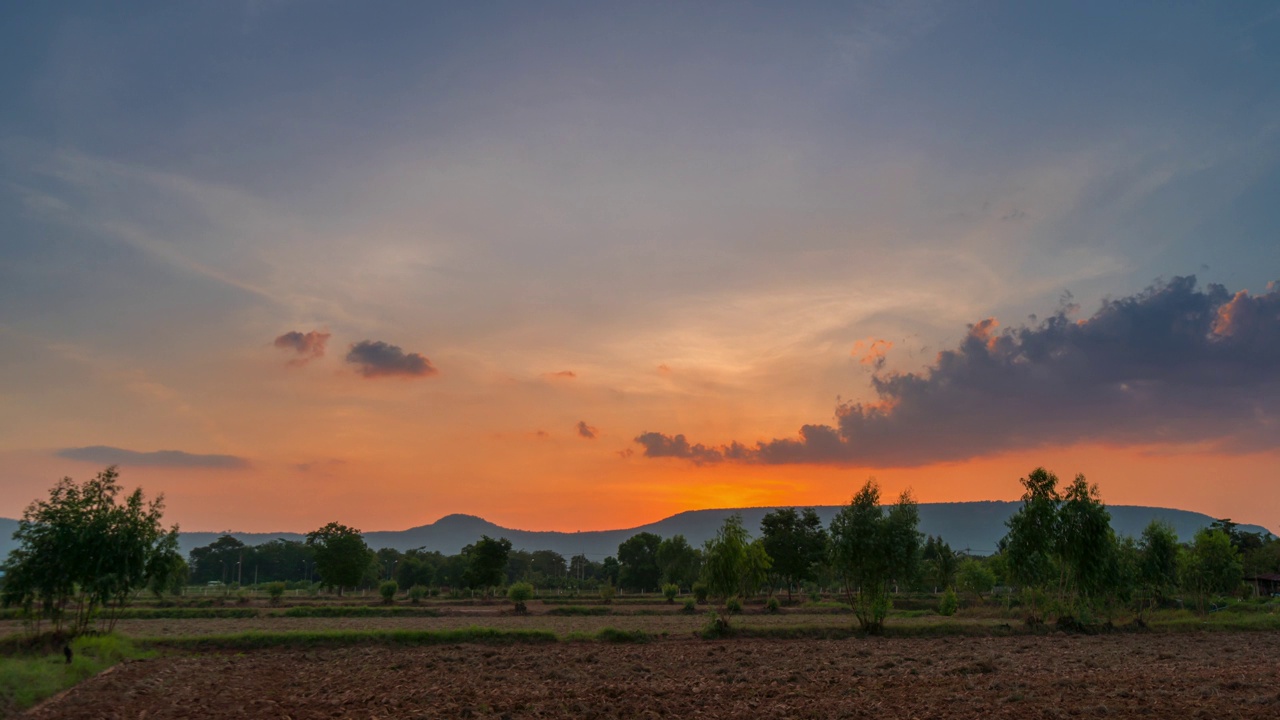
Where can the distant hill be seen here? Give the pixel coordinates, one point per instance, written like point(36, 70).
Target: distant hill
point(975, 526)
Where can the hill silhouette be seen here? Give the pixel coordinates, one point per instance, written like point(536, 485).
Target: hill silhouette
point(975, 526)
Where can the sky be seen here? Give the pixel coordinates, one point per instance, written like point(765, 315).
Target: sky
point(573, 266)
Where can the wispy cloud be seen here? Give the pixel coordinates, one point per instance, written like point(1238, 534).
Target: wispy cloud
point(107, 455)
point(586, 431)
point(307, 346)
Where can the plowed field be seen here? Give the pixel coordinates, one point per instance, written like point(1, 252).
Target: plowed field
point(1216, 675)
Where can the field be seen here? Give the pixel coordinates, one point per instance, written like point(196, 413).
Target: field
point(1212, 675)
point(645, 658)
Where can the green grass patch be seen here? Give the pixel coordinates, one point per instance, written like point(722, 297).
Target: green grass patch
point(257, 640)
point(26, 679)
point(614, 635)
point(347, 611)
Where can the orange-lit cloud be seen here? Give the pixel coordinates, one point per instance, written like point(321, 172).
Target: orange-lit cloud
point(562, 375)
point(871, 352)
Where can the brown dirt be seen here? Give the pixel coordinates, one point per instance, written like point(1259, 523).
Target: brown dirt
point(1160, 676)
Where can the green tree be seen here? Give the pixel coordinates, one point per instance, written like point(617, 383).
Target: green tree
point(520, 593)
point(486, 562)
point(940, 563)
point(678, 562)
point(732, 563)
point(342, 557)
point(974, 576)
point(1157, 563)
point(796, 542)
point(1210, 566)
point(1086, 547)
point(1030, 545)
point(86, 548)
point(638, 559)
point(388, 589)
point(871, 548)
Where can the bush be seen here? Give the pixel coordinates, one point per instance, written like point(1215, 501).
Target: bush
point(715, 627)
point(949, 603)
point(607, 592)
point(276, 591)
point(690, 606)
point(733, 605)
point(242, 597)
point(772, 605)
point(670, 591)
point(416, 593)
point(388, 591)
point(700, 592)
point(520, 593)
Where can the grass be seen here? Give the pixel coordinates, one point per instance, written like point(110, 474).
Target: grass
point(343, 611)
point(26, 679)
point(576, 610)
point(255, 640)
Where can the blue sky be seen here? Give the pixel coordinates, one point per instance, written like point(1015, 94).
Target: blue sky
point(697, 209)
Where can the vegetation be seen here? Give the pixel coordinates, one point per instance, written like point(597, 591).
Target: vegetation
point(486, 563)
point(638, 561)
point(520, 593)
point(670, 591)
point(871, 549)
point(83, 550)
point(733, 564)
point(342, 557)
point(29, 677)
point(388, 591)
point(796, 544)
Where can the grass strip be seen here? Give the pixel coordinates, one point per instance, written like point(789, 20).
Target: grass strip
point(575, 610)
point(256, 639)
point(26, 679)
point(344, 611)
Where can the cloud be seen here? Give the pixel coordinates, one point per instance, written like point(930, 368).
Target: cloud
point(308, 346)
point(561, 375)
point(871, 352)
point(378, 359)
point(105, 455)
point(586, 431)
point(1172, 364)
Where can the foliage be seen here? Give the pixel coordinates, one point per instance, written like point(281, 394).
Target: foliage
point(1157, 563)
point(168, 574)
point(733, 606)
point(940, 563)
point(796, 542)
point(607, 592)
point(772, 605)
point(670, 591)
point(1211, 565)
point(28, 679)
point(732, 563)
point(872, 548)
point(388, 591)
point(520, 593)
point(276, 591)
point(342, 557)
point(416, 593)
point(486, 562)
point(82, 550)
point(678, 562)
point(1086, 547)
point(690, 606)
point(1032, 538)
point(949, 603)
point(638, 561)
point(974, 576)
point(700, 592)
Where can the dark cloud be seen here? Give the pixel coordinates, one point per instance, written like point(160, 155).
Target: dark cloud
point(378, 359)
point(586, 431)
point(1172, 364)
point(105, 455)
point(563, 375)
point(308, 346)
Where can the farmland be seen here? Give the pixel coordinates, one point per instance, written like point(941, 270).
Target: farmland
point(1119, 675)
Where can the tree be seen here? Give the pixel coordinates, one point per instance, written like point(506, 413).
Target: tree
point(973, 576)
point(1030, 544)
point(1211, 565)
point(871, 548)
point(638, 560)
point(1157, 563)
point(732, 563)
point(1087, 547)
point(486, 562)
point(83, 549)
point(342, 557)
point(678, 561)
point(796, 543)
point(940, 563)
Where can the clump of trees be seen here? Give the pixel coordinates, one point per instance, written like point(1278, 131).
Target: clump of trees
point(873, 549)
point(86, 550)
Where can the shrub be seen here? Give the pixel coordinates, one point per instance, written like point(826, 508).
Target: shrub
point(670, 591)
point(416, 593)
point(716, 626)
point(772, 605)
point(242, 597)
point(276, 591)
point(733, 605)
point(690, 605)
point(700, 592)
point(520, 593)
point(607, 592)
point(388, 591)
point(949, 603)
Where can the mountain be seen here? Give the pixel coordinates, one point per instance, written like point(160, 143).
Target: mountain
point(973, 526)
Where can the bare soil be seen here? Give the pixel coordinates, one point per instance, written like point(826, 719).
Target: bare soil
point(1210, 675)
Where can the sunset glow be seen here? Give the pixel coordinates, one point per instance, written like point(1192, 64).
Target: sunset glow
point(577, 267)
